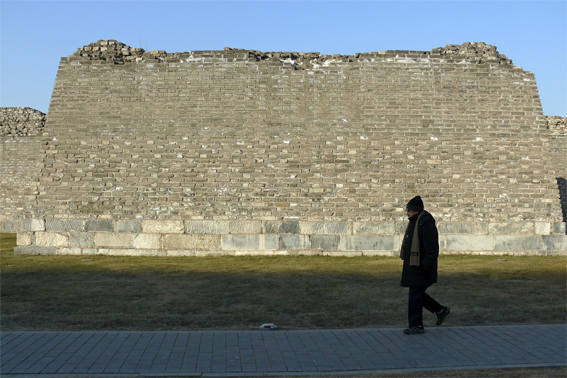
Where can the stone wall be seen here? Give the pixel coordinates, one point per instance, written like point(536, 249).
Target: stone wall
point(15, 122)
point(558, 128)
point(21, 157)
point(240, 151)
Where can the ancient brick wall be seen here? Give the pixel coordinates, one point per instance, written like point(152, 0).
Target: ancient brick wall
point(240, 151)
point(558, 128)
point(21, 157)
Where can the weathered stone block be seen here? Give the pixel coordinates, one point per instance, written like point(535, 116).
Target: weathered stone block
point(24, 238)
point(342, 253)
point(34, 225)
point(463, 228)
point(401, 227)
point(99, 225)
point(288, 241)
point(281, 227)
point(115, 240)
point(517, 243)
point(197, 253)
point(10, 226)
point(542, 228)
point(147, 241)
point(69, 251)
point(35, 250)
point(555, 242)
point(64, 225)
point(380, 253)
point(162, 226)
point(249, 242)
point(325, 242)
point(132, 252)
point(134, 226)
point(263, 252)
point(469, 242)
point(367, 243)
point(374, 228)
point(325, 228)
point(206, 227)
point(51, 239)
point(558, 228)
point(192, 241)
point(81, 239)
point(518, 228)
point(245, 227)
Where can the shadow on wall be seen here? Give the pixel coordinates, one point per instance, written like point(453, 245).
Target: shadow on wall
point(562, 185)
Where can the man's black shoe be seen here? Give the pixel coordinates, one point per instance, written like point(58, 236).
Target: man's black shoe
point(441, 315)
point(414, 330)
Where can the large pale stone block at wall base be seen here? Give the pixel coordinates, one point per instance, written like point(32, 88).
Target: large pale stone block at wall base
point(367, 242)
point(69, 251)
point(468, 243)
point(290, 241)
point(264, 252)
point(558, 228)
point(542, 228)
point(325, 242)
point(197, 253)
point(81, 239)
point(342, 253)
point(64, 225)
point(34, 225)
point(9, 226)
point(190, 241)
point(463, 228)
point(325, 228)
point(517, 228)
point(373, 228)
point(555, 242)
point(132, 252)
point(147, 241)
point(116, 240)
point(99, 225)
point(245, 227)
point(25, 238)
point(162, 227)
point(282, 227)
point(518, 243)
point(52, 239)
point(31, 250)
point(206, 227)
point(381, 253)
point(134, 226)
point(249, 242)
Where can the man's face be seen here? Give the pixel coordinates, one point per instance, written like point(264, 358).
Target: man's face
point(411, 213)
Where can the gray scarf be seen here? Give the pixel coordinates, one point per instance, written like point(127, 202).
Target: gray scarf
point(415, 252)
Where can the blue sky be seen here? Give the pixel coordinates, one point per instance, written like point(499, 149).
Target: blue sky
point(36, 34)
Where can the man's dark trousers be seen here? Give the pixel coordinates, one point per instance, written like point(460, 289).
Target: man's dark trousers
point(418, 299)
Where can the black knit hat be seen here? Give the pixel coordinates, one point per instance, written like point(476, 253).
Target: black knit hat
point(415, 204)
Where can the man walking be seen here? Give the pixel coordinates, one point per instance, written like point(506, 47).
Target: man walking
point(420, 250)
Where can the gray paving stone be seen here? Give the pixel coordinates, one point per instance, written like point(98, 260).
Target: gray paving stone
point(238, 353)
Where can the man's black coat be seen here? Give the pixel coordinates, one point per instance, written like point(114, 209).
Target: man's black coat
point(426, 273)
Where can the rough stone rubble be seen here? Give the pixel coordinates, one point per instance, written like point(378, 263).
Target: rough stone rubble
point(120, 53)
point(557, 125)
point(16, 122)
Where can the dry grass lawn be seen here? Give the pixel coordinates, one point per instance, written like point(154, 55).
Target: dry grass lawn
point(147, 293)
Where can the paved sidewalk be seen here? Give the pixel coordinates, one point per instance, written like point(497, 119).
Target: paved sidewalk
point(242, 353)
